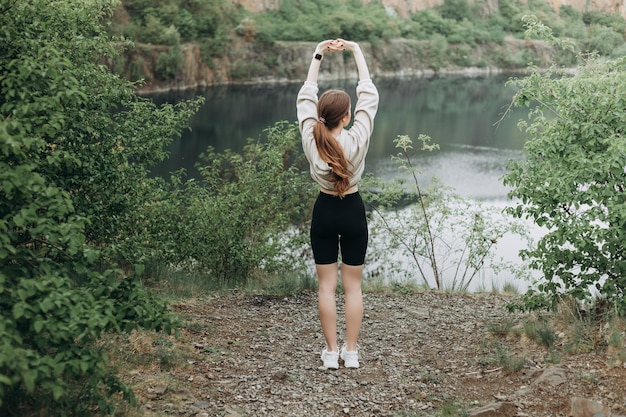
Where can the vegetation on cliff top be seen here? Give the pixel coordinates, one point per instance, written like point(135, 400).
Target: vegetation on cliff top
point(451, 31)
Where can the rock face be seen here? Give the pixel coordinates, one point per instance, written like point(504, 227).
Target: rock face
point(290, 62)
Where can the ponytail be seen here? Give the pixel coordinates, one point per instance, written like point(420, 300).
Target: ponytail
point(332, 106)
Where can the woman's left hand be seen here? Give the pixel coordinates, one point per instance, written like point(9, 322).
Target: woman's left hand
point(336, 45)
point(329, 45)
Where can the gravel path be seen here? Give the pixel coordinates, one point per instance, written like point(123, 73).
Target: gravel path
point(420, 354)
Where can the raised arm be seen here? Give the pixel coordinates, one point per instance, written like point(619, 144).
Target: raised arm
point(359, 58)
point(330, 45)
point(334, 45)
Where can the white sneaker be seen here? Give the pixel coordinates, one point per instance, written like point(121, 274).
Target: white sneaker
point(330, 359)
point(350, 359)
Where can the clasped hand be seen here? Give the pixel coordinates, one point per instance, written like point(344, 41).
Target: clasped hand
point(336, 45)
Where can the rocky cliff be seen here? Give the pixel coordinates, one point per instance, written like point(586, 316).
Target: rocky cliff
point(289, 62)
point(249, 62)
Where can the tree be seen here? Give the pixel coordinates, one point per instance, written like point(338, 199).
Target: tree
point(75, 148)
point(573, 180)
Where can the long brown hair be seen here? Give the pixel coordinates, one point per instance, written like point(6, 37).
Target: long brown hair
point(332, 106)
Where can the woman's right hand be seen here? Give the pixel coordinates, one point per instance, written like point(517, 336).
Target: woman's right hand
point(346, 45)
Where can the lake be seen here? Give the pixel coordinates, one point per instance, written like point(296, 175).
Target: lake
point(464, 115)
point(458, 113)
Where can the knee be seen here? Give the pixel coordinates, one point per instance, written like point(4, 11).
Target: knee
point(327, 290)
point(352, 287)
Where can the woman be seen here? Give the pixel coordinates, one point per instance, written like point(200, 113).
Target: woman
point(337, 158)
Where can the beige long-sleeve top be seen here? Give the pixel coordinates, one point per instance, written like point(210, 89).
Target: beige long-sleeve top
point(354, 141)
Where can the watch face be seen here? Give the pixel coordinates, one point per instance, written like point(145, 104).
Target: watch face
point(318, 57)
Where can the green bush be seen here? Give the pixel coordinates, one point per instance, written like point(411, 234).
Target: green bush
point(215, 46)
point(456, 10)
point(431, 23)
point(575, 29)
point(461, 56)
point(350, 20)
point(568, 12)
point(186, 25)
point(136, 70)
point(602, 40)
point(613, 20)
point(241, 222)
point(168, 63)
point(512, 11)
point(572, 181)
point(199, 20)
point(75, 148)
point(435, 52)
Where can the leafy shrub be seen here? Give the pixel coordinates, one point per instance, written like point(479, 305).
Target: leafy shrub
point(512, 11)
point(435, 52)
point(193, 20)
point(461, 56)
point(613, 20)
point(136, 69)
point(168, 63)
point(73, 187)
point(568, 12)
point(170, 36)
point(575, 29)
point(456, 9)
point(602, 40)
point(240, 222)
point(152, 31)
point(215, 47)
point(186, 25)
point(292, 21)
point(466, 33)
point(430, 23)
point(572, 181)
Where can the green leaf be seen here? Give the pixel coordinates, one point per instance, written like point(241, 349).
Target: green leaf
point(29, 377)
point(38, 326)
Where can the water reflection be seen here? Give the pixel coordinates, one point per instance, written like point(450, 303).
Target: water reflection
point(469, 171)
point(452, 110)
point(458, 113)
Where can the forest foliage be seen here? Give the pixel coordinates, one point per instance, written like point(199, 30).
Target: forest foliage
point(572, 182)
point(450, 31)
point(75, 147)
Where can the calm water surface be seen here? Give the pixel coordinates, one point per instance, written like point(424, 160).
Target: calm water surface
point(460, 114)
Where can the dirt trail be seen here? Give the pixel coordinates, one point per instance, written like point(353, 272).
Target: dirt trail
point(420, 354)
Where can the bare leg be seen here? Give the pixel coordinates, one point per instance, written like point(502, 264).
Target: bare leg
point(327, 281)
point(351, 276)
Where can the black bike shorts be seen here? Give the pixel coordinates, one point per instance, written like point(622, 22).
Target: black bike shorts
point(339, 223)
